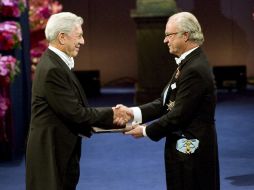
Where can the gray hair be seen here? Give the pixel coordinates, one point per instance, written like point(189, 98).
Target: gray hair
point(61, 22)
point(187, 22)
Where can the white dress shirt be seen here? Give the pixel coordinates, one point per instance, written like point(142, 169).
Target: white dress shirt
point(68, 60)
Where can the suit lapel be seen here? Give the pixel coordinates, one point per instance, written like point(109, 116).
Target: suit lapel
point(189, 57)
point(174, 78)
point(76, 82)
point(79, 87)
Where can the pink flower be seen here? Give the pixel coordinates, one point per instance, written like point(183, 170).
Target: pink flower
point(12, 8)
point(8, 67)
point(10, 35)
point(44, 12)
point(3, 70)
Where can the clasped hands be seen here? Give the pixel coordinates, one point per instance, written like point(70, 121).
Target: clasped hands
point(123, 115)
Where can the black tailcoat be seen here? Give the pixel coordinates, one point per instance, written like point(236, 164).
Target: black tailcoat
point(193, 117)
point(59, 115)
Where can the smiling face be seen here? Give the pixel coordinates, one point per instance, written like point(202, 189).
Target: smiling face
point(70, 42)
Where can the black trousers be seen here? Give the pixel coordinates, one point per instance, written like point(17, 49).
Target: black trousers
point(71, 176)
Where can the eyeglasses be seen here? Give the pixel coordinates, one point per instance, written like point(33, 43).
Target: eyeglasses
point(169, 35)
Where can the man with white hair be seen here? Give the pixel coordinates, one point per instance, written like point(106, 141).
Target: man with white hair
point(60, 112)
point(184, 114)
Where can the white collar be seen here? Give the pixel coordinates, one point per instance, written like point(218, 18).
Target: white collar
point(68, 60)
point(182, 57)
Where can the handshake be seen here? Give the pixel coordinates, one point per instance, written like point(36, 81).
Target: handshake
point(123, 115)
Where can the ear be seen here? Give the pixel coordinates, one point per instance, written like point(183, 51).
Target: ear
point(61, 38)
point(186, 36)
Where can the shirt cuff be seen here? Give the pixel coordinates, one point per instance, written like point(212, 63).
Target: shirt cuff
point(137, 115)
point(144, 131)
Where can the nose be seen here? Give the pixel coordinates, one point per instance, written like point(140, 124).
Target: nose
point(165, 40)
point(82, 41)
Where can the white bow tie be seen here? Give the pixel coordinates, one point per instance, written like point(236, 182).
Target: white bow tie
point(178, 60)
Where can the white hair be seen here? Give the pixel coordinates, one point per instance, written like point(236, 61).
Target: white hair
point(187, 22)
point(61, 22)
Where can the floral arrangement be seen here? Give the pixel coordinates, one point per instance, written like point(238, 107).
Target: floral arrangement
point(8, 69)
point(40, 12)
point(10, 38)
point(10, 35)
point(12, 8)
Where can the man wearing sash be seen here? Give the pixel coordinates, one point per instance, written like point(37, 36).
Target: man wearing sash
point(184, 114)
